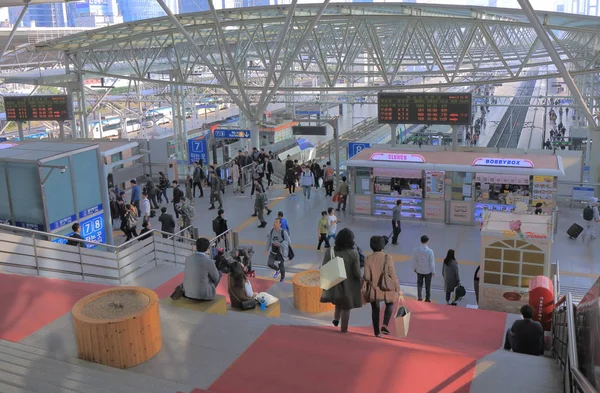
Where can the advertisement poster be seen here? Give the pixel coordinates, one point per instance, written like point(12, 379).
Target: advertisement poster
point(434, 210)
point(542, 190)
point(362, 204)
point(434, 184)
point(461, 212)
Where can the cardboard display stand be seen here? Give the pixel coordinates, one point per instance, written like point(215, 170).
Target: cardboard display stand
point(515, 248)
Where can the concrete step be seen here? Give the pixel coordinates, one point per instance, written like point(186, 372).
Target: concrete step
point(36, 370)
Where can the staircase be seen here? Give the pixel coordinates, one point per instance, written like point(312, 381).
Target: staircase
point(25, 369)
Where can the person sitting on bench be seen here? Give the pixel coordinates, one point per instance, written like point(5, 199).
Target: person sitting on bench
point(200, 275)
point(526, 335)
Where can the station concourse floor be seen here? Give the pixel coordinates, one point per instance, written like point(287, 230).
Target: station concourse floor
point(449, 349)
point(578, 270)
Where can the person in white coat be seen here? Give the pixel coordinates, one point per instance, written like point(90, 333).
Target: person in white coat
point(235, 176)
point(591, 220)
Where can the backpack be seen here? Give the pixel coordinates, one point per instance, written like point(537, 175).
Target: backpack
point(190, 211)
point(588, 213)
point(361, 257)
point(131, 221)
point(216, 225)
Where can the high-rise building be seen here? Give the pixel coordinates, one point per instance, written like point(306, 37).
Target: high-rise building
point(93, 13)
point(41, 15)
point(186, 6)
point(139, 9)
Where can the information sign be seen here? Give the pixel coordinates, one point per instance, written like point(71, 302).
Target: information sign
point(583, 193)
point(397, 157)
point(503, 162)
point(197, 150)
point(32, 108)
point(232, 134)
point(425, 108)
point(62, 222)
point(356, 147)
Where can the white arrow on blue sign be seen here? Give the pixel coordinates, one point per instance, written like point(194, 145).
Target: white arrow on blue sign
point(231, 134)
point(356, 147)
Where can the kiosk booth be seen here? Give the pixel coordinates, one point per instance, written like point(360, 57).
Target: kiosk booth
point(450, 187)
point(515, 250)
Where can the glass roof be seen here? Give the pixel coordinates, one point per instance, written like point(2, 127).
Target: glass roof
point(136, 33)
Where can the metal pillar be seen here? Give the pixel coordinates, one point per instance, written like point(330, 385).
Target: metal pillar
point(336, 139)
point(14, 30)
point(61, 130)
point(20, 128)
point(105, 202)
point(394, 128)
point(83, 122)
point(454, 137)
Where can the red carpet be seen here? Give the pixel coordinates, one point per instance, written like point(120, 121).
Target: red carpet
point(28, 303)
point(258, 285)
point(439, 355)
point(299, 360)
point(472, 332)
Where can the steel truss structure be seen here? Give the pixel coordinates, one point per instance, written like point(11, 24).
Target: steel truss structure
point(358, 48)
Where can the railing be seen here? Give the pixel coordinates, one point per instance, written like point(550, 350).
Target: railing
point(26, 250)
point(565, 346)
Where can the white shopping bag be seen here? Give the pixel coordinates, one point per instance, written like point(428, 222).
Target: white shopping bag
point(333, 272)
point(402, 318)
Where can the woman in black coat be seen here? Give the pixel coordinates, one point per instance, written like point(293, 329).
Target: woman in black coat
point(345, 295)
point(450, 275)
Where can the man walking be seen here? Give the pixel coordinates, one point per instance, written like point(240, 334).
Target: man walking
point(167, 222)
point(135, 195)
point(343, 191)
point(151, 192)
point(145, 207)
point(215, 189)
point(219, 226)
point(329, 178)
point(177, 195)
point(257, 173)
point(260, 204)
point(197, 178)
point(278, 243)
point(424, 266)
point(591, 218)
point(396, 215)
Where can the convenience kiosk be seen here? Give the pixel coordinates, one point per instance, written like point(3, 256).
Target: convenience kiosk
point(515, 249)
point(449, 186)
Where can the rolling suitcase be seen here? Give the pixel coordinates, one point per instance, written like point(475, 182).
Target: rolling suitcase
point(574, 231)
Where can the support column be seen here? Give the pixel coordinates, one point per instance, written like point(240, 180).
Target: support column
point(20, 128)
point(83, 123)
point(336, 138)
point(394, 128)
point(454, 137)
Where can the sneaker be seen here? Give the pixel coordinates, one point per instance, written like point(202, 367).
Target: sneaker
point(427, 300)
point(264, 224)
point(254, 215)
point(269, 212)
point(335, 322)
point(211, 208)
point(276, 274)
point(281, 280)
point(384, 330)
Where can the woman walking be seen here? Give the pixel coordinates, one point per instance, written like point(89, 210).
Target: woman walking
point(450, 275)
point(345, 295)
point(381, 284)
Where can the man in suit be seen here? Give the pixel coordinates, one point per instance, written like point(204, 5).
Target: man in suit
point(200, 275)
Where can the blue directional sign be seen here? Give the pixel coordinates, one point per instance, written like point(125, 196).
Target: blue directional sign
point(309, 113)
point(197, 150)
point(232, 134)
point(356, 147)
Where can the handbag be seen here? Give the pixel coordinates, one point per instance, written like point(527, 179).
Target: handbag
point(336, 197)
point(367, 292)
point(386, 283)
point(246, 304)
point(333, 272)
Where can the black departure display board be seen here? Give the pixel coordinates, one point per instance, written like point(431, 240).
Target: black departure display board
point(32, 108)
point(424, 108)
point(309, 130)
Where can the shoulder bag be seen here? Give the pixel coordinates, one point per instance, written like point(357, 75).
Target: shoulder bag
point(246, 304)
point(386, 282)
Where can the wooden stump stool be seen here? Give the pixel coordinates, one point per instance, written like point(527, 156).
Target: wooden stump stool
point(118, 327)
point(307, 293)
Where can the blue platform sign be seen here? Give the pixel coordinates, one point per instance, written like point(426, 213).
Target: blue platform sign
point(309, 113)
point(90, 210)
point(197, 150)
point(232, 134)
point(356, 147)
point(92, 230)
point(62, 222)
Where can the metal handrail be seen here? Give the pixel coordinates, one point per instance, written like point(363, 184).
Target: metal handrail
point(577, 381)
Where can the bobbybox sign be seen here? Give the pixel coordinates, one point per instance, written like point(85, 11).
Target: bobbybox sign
point(504, 162)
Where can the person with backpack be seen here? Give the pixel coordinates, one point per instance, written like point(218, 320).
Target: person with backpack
point(151, 192)
point(187, 213)
point(307, 180)
point(129, 225)
point(177, 195)
point(257, 173)
point(260, 204)
point(278, 243)
point(329, 178)
point(591, 218)
point(450, 276)
point(197, 177)
point(216, 187)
